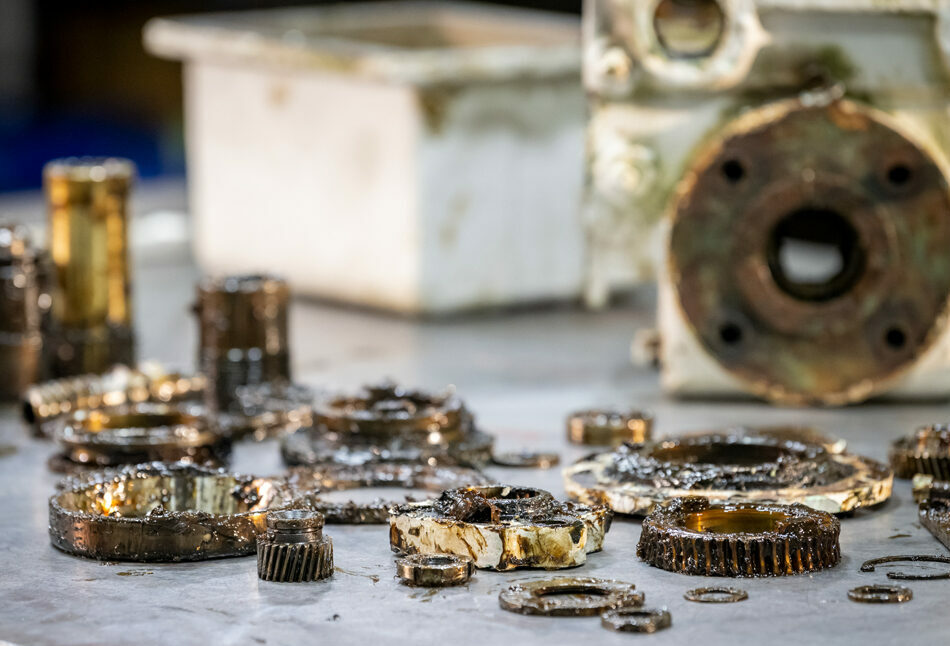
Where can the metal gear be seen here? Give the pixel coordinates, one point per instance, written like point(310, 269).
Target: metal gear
point(927, 451)
point(294, 548)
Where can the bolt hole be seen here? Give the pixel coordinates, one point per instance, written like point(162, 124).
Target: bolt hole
point(730, 333)
point(895, 338)
point(689, 29)
point(733, 170)
point(898, 175)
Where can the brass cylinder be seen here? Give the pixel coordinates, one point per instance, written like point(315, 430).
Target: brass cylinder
point(242, 323)
point(91, 318)
point(20, 336)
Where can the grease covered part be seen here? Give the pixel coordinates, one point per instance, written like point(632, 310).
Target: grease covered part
point(602, 427)
point(880, 594)
point(728, 467)
point(160, 512)
point(434, 570)
point(717, 594)
point(693, 536)
point(306, 484)
point(636, 620)
point(926, 452)
point(294, 548)
point(934, 512)
point(569, 597)
point(868, 566)
point(501, 527)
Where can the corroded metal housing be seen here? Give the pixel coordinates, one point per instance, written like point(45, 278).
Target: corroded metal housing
point(569, 597)
point(728, 467)
point(294, 548)
point(160, 512)
point(693, 536)
point(501, 528)
point(925, 452)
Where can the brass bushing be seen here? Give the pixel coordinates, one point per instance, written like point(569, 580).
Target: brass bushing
point(609, 427)
point(21, 340)
point(90, 326)
point(569, 597)
point(138, 433)
point(294, 548)
point(434, 570)
point(693, 536)
point(160, 512)
point(927, 451)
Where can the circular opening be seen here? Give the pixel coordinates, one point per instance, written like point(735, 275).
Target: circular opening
point(720, 453)
point(733, 170)
point(573, 589)
point(730, 521)
point(730, 333)
point(689, 28)
point(895, 338)
point(815, 254)
point(898, 174)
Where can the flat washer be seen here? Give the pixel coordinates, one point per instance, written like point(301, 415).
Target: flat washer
point(719, 594)
point(569, 597)
point(434, 570)
point(880, 594)
point(636, 620)
point(526, 459)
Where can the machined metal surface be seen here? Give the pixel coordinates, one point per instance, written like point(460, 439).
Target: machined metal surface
point(526, 459)
point(501, 527)
point(21, 340)
point(434, 570)
point(719, 594)
point(159, 512)
point(91, 320)
point(243, 338)
point(728, 467)
point(692, 536)
point(870, 565)
point(880, 594)
point(925, 452)
point(569, 597)
point(596, 427)
point(294, 548)
point(636, 620)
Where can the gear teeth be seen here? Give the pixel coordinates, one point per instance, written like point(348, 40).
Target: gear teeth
point(927, 451)
point(797, 539)
point(294, 562)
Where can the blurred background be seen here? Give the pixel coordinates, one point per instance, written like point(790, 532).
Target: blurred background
point(74, 79)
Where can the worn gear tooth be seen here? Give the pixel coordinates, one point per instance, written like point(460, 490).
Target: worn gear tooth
point(738, 539)
point(927, 451)
point(294, 548)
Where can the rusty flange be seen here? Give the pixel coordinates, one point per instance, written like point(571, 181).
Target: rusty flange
point(501, 527)
point(728, 467)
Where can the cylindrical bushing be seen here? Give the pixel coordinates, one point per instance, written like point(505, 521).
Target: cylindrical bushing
point(90, 327)
point(242, 323)
point(20, 336)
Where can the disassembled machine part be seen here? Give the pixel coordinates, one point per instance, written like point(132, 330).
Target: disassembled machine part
point(868, 566)
point(927, 451)
point(569, 597)
point(160, 512)
point(716, 595)
point(242, 328)
point(149, 382)
point(134, 434)
point(294, 548)
point(270, 409)
point(636, 620)
point(526, 460)
point(880, 594)
point(934, 512)
point(609, 427)
point(21, 340)
point(308, 486)
point(728, 467)
point(501, 528)
point(694, 536)
point(389, 423)
point(434, 570)
point(90, 327)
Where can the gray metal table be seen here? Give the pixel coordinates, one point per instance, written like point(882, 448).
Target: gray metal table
point(520, 373)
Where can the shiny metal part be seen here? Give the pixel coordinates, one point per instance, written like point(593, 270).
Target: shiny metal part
point(569, 597)
point(692, 536)
point(728, 467)
point(636, 620)
point(160, 512)
point(135, 434)
point(21, 340)
point(868, 566)
point(243, 340)
point(720, 594)
point(149, 382)
point(90, 326)
point(501, 527)
point(434, 570)
point(934, 511)
point(609, 427)
point(309, 485)
point(880, 594)
point(526, 459)
point(927, 452)
point(294, 548)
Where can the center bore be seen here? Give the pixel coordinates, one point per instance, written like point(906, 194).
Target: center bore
point(815, 254)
